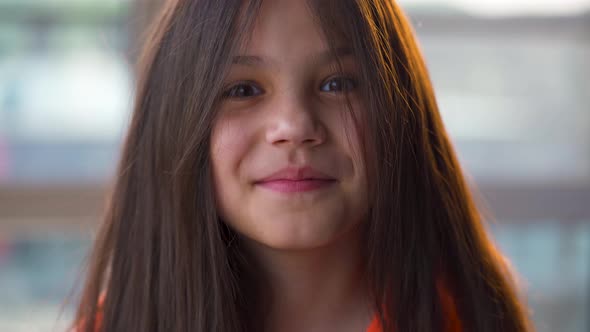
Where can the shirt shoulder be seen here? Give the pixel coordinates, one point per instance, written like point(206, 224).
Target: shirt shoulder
point(452, 321)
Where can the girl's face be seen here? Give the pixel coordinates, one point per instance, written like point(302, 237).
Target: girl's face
point(286, 154)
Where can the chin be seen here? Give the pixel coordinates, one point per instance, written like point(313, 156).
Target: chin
point(301, 233)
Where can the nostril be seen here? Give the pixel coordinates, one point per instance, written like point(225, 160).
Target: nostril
point(297, 130)
point(310, 140)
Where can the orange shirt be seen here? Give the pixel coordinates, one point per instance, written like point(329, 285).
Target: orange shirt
point(449, 309)
point(453, 323)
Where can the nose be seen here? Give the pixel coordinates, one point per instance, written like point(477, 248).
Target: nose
point(293, 122)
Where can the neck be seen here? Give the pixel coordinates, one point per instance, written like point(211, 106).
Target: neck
point(319, 289)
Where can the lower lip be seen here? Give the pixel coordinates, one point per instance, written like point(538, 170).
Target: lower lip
point(291, 186)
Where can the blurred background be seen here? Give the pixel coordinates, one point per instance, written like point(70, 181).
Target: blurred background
point(512, 78)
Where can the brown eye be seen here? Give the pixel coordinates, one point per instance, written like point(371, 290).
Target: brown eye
point(339, 84)
point(243, 90)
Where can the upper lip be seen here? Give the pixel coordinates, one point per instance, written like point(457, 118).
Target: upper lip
point(296, 174)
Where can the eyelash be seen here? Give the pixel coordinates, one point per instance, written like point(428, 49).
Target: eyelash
point(351, 81)
point(232, 91)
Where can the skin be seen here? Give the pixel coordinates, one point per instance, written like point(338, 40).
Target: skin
point(287, 108)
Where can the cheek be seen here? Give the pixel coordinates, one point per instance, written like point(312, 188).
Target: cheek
point(231, 138)
point(351, 138)
point(230, 142)
point(348, 128)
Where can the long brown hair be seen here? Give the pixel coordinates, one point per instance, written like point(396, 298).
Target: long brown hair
point(165, 261)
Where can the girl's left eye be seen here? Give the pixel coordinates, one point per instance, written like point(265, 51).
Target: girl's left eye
point(339, 84)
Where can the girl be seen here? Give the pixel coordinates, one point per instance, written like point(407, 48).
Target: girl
point(286, 169)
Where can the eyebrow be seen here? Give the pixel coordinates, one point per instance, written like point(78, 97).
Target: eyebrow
point(321, 58)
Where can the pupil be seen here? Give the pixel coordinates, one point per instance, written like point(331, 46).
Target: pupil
point(335, 84)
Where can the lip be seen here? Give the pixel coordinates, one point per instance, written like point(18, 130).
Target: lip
point(296, 179)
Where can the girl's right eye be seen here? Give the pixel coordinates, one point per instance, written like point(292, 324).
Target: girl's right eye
point(243, 90)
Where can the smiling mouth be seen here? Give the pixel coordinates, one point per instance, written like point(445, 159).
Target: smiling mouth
point(296, 186)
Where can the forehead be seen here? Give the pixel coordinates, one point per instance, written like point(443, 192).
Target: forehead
point(286, 30)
